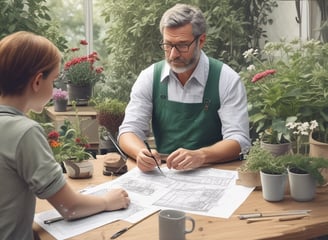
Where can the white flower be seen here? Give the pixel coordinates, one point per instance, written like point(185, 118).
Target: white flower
point(250, 52)
point(251, 67)
point(302, 128)
point(314, 124)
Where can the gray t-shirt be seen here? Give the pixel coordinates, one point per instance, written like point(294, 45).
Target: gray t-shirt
point(27, 169)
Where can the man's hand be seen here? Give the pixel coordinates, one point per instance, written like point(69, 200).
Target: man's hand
point(184, 159)
point(144, 160)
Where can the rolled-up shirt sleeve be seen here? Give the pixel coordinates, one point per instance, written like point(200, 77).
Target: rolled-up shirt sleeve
point(138, 112)
point(233, 111)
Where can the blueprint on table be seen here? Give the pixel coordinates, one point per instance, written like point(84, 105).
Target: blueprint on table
point(204, 191)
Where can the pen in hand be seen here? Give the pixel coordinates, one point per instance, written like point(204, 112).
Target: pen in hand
point(152, 156)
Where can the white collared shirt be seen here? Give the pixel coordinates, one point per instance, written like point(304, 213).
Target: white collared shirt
point(233, 111)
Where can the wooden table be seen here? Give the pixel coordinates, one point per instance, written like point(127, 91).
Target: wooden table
point(210, 228)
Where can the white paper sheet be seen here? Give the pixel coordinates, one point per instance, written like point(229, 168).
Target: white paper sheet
point(204, 191)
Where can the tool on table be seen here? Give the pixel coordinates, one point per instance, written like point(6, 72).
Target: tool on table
point(119, 233)
point(108, 136)
point(280, 219)
point(273, 214)
point(53, 220)
point(152, 156)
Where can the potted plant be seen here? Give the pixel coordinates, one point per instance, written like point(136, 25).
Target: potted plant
point(304, 173)
point(318, 141)
point(277, 139)
point(261, 168)
point(286, 80)
point(273, 180)
point(69, 148)
point(110, 114)
point(81, 74)
point(59, 98)
point(249, 170)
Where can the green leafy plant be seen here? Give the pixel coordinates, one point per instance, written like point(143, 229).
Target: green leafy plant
point(32, 16)
point(287, 81)
point(277, 133)
point(260, 159)
point(133, 34)
point(300, 163)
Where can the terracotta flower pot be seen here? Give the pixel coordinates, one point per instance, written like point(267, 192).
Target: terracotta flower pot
point(319, 149)
point(249, 179)
point(277, 149)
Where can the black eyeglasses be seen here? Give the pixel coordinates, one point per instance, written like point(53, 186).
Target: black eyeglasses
point(181, 47)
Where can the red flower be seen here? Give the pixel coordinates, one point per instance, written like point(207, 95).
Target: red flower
point(53, 135)
point(75, 49)
point(263, 74)
point(83, 42)
point(99, 69)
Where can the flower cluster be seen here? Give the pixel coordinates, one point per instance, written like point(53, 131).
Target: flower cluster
point(59, 94)
point(81, 70)
point(68, 144)
point(286, 82)
point(301, 131)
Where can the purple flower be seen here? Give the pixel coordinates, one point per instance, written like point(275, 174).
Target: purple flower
point(59, 94)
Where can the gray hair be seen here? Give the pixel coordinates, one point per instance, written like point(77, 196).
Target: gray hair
point(182, 14)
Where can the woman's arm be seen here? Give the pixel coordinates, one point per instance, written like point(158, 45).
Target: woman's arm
point(72, 205)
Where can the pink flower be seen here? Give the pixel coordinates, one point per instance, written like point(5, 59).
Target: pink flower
point(99, 69)
point(263, 74)
point(83, 42)
point(59, 94)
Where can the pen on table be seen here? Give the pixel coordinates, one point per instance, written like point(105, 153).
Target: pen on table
point(119, 233)
point(273, 214)
point(53, 220)
point(152, 156)
point(280, 219)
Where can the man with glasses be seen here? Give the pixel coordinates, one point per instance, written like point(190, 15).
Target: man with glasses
point(197, 105)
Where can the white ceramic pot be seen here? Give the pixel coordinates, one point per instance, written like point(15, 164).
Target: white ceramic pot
point(273, 186)
point(302, 186)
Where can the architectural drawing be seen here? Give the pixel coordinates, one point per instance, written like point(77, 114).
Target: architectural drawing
point(205, 191)
point(191, 199)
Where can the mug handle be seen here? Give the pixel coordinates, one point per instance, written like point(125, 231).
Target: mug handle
point(192, 224)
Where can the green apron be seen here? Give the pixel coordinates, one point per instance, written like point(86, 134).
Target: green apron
point(186, 125)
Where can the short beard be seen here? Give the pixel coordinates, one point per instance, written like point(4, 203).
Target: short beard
point(188, 64)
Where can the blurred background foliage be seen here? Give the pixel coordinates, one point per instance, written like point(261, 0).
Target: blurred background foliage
point(126, 33)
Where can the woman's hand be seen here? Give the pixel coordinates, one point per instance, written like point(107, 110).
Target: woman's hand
point(116, 199)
